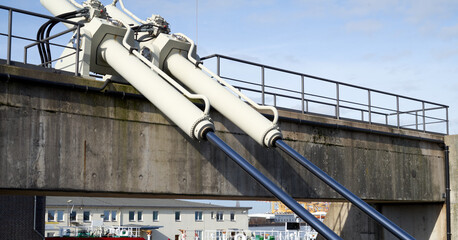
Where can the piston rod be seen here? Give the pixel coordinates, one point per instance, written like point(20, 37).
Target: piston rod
point(271, 187)
point(385, 222)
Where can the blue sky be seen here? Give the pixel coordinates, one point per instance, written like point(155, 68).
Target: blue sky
point(404, 47)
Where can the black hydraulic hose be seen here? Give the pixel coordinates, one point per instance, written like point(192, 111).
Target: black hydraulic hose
point(44, 48)
point(385, 222)
point(271, 187)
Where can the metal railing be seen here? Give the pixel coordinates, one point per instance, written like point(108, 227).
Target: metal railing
point(416, 114)
point(10, 36)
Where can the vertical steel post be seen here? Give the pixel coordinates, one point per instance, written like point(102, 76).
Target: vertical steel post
point(337, 102)
point(416, 120)
point(302, 93)
point(446, 119)
point(10, 34)
point(218, 66)
point(262, 84)
point(424, 115)
point(25, 55)
point(77, 61)
point(369, 105)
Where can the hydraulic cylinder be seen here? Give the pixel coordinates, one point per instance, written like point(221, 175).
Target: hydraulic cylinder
point(241, 114)
point(173, 104)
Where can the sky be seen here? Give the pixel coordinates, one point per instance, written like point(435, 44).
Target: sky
point(407, 47)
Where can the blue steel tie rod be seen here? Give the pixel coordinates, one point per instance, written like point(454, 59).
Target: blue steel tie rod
point(274, 189)
point(385, 222)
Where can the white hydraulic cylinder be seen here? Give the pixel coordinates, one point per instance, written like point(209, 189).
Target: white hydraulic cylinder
point(241, 114)
point(119, 15)
point(57, 7)
point(175, 106)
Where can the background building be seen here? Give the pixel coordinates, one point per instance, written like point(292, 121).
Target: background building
point(169, 219)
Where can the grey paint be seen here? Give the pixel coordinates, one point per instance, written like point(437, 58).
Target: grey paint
point(61, 141)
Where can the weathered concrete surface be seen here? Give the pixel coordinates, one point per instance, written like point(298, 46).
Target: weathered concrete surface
point(452, 142)
point(422, 221)
point(58, 140)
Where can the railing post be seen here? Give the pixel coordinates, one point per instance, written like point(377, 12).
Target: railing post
point(337, 102)
point(262, 85)
point(10, 34)
point(369, 105)
point(218, 66)
point(397, 111)
point(416, 120)
point(302, 93)
point(25, 55)
point(446, 119)
point(424, 115)
point(77, 61)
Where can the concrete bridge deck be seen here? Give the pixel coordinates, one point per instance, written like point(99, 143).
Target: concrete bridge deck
point(64, 138)
point(62, 135)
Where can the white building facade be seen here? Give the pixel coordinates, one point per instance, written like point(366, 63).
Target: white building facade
point(167, 218)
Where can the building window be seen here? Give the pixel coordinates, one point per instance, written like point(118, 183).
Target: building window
point(232, 216)
point(60, 215)
point(177, 216)
point(219, 216)
point(131, 216)
point(106, 215)
point(198, 235)
point(86, 216)
point(198, 216)
point(51, 217)
point(155, 216)
point(114, 216)
point(73, 216)
point(139, 216)
point(219, 234)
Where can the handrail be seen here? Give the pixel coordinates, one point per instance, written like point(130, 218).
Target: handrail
point(40, 15)
point(10, 36)
point(365, 107)
point(315, 77)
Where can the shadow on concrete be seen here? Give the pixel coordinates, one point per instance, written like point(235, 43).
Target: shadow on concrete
point(422, 221)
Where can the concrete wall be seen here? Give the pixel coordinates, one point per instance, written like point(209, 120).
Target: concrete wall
point(422, 221)
point(452, 142)
point(57, 140)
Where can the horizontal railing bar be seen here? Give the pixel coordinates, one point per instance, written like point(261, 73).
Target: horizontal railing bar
point(420, 110)
point(394, 112)
point(51, 37)
point(308, 100)
point(317, 78)
point(57, 59)
point(34, 40)
point(40, 15)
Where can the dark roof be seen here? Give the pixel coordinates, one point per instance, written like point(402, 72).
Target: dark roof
point(131, 202)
